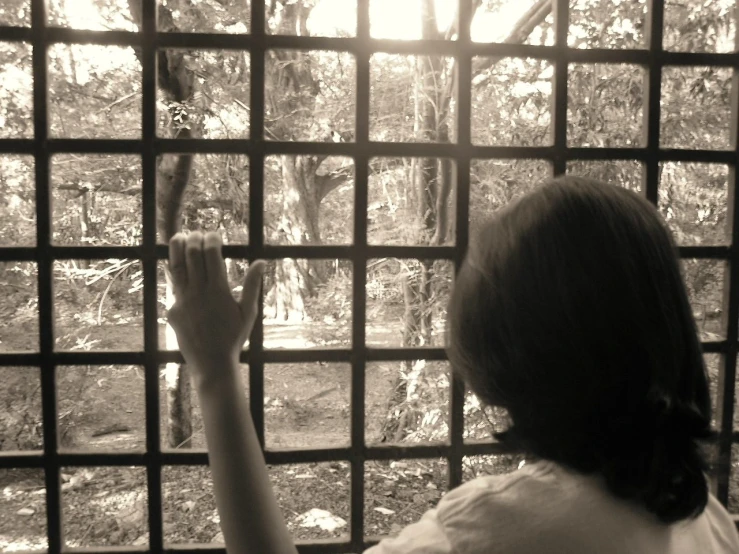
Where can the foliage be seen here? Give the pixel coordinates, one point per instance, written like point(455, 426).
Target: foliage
point(95, 92)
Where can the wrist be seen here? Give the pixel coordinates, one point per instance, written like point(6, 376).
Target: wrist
point(217, 374)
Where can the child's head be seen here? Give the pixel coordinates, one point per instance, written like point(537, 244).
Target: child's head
point(570, 312)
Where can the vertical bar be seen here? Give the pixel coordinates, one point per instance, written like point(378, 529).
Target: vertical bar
point(359, 278)
point(45, 276)
point(653, 86)
point(256, 208)
point(463, 102)
point(559, 98)
point(730, 308)
point(151, 340)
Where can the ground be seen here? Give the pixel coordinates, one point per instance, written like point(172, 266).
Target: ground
point(306, 405)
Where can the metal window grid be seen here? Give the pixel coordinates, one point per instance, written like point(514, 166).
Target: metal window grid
point(41, 147)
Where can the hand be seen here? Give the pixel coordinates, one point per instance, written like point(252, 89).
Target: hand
point(211, 326)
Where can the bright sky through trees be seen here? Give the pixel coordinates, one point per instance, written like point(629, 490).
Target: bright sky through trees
point(392, 19)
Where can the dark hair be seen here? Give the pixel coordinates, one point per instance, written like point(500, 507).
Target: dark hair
point(571, 313)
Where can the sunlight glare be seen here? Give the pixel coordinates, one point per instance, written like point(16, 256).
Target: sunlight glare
point(494, 26)
point(331, 15)
point(401, 19)
point(83, 14)
point(86, 14)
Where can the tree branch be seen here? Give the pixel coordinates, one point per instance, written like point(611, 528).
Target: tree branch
point(198, 203)
point(327, 183)
point(520, 32)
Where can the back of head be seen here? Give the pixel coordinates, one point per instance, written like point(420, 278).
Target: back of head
point(571, 313)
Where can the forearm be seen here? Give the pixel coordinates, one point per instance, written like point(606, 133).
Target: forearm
point(251, 520)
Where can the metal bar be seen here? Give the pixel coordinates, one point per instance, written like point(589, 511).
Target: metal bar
point(269, 356)
point(273, 457)
point(148, 37)
point(372, 149)
point(442, 47)
point(16, 34)
point(256, 205)
point(45, 277)
point(360, 256)
point(561, 10)
point(652, 94)
point(463, 100)
point(22, 254)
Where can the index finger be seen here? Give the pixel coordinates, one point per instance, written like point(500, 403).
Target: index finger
point(214, 262)
point(177, 264)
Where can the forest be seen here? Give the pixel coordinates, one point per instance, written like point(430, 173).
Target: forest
point(95, 92)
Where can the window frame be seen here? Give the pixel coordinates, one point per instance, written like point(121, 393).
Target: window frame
point(652, 58)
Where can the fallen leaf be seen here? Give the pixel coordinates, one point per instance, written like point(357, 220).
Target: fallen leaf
point(321, 518)
point(26, 512)
point(384, 511)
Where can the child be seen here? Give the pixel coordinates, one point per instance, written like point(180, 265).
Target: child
point(570, 312)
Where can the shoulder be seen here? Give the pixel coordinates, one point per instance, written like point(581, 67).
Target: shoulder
point(426, 536)
point(461, 522)
point(494, 509)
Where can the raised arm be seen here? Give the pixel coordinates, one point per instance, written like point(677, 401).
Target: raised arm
point(211, 329)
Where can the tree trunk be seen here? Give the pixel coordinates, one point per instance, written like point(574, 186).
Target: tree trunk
point(179, 392)
point(296, 280)
point(432, 186)
point(177, 83)
point(291, 90)
point(403, 412)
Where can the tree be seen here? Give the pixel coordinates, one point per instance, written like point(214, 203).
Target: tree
point(292, 93)
point(177, 82)
point(435, 81)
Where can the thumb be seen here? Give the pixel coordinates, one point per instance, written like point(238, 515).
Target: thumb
point(250, 292)
point(173, 315)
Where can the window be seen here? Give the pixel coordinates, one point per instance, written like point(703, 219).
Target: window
point(636, 93)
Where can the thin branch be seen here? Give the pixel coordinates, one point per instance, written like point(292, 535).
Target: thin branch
point(520, 32)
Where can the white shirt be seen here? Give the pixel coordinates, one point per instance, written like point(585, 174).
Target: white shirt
point(545, 509)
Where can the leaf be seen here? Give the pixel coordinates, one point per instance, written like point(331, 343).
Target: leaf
point(26, 512)
point(384, 511)
point(322, 519)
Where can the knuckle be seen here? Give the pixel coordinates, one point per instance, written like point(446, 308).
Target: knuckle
point(212, 241)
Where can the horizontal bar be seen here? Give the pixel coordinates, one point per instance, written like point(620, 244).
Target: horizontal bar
point(30, 254)
point(284, 356)
point(373, 149)
point(229, 41)
point(12, 459)
point(16, 146)
point(715, 347)
point(199, 457)
point(15, 34)
point(704, 252)
point(269, 356)
point(274, 457)
point(404, 354)
point(643, 154)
